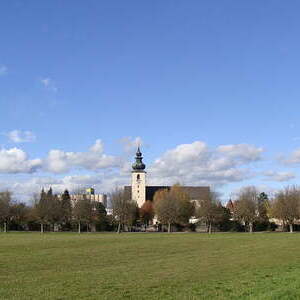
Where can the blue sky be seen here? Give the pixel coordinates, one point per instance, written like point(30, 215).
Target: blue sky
point(171, 74)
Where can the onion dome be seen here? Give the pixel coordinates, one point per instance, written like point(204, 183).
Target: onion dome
point(138, 165)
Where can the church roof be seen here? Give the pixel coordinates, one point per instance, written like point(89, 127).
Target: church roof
point(195, 192)
point(230, 205)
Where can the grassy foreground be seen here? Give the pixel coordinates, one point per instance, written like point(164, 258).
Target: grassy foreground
point(149, 266)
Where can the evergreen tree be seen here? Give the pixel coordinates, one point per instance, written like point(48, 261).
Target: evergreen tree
point(262, 205)
point(66, 208)
point(98, 218)
point(43, 208)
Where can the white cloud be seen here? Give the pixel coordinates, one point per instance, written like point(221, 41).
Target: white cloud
point(3, 70)
point(15, 160)
point(279, 176)
point(18, 136)
point(59, 161)
point(130, 144)
point(242, 152)
point(197, 164)
point(49, 84)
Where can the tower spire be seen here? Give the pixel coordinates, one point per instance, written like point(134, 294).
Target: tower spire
point(138, 165)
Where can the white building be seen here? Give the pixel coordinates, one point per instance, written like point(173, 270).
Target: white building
point(102, 198)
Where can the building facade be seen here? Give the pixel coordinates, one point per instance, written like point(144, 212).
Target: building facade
point(102, 198)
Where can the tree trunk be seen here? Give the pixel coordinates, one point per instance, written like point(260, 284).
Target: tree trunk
point(5, 226)
point(169, 227)
point(209, 228)
point(283, 226)
point(250, 227)
point(42, 228)
point(93, 227)
point(291, 228)
point(119, 227)
point(79, 229)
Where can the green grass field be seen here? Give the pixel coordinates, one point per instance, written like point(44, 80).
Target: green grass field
point(149, 266)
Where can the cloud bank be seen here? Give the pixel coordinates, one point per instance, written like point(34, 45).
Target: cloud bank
point(94, 159)
point(191, 164)
point(196, 163)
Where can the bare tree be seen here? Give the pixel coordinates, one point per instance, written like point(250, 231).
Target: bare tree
point(165, 208)
point(210, 210)
point(173, 206)
point(147, 212)
point(286, 206)
point(19, 213)
point(185, 208)
point(124, 208)
point(5, 204)
point(245, 208)
point(83, 211)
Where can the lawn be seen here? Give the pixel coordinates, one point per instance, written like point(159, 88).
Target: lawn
point(149, 266)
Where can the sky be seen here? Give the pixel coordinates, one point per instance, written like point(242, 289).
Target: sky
point(210, 89)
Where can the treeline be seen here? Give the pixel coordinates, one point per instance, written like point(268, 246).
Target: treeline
point(171, 209)
point(50, 212)
point(282, 210)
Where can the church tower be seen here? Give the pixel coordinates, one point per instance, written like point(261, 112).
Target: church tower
point(138, 179)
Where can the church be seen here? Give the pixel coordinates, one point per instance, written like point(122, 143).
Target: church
point(140, 192)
